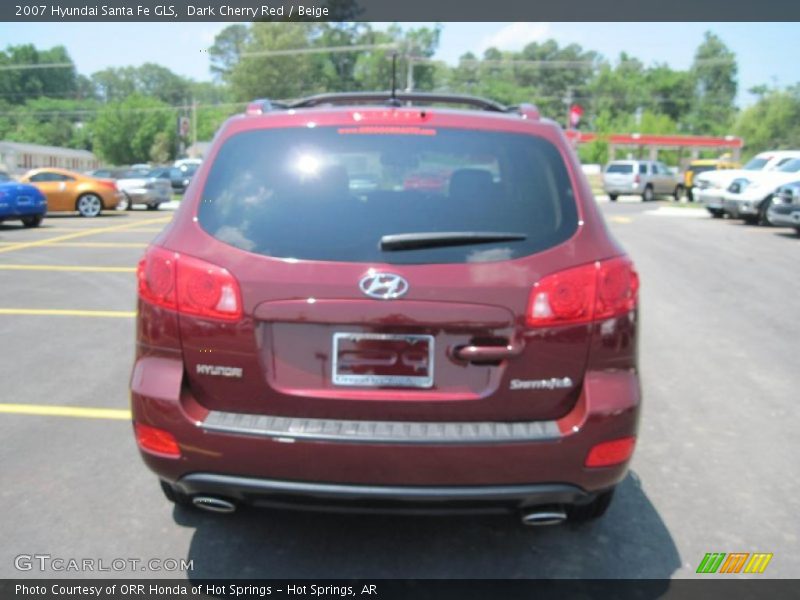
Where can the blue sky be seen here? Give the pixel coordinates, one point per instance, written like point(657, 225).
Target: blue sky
point(767, 52)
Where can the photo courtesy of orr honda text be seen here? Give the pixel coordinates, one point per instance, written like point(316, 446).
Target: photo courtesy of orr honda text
point(358, 298)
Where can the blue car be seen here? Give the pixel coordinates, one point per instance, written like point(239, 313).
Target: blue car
point(21, 201)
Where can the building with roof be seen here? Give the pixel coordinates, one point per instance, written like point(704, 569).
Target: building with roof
point(18, 157)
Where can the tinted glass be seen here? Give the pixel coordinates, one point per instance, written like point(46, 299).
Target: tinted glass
point(702, 168)
point(643, 168)
point(791, 166)
point(328, 194)
point(756, 164)
point(619, 168)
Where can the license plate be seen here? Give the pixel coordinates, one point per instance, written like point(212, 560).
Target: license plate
point(382, 360)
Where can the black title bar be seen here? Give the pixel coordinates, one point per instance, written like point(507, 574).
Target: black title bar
point(397, 10)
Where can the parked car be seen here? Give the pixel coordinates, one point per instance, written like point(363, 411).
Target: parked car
point(20, 201)
point(395, 348)
point(645, 178)
point(68, 191)
point(704, 166)
point(785, 210)
point(749, 197)
point(188, 162)
point(179, 177)
point(147, 188)
point(709, 187)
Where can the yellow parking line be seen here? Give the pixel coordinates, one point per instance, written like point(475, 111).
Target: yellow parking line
point(67, 268)
point(72, 236)
point(89, 244)
point(53, 312)
point(620, 219)
point(66, 411)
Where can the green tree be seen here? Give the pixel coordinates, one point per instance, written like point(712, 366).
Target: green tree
point(126, 131)
point(773, 122)
point(227, 50)
point(260, 75)
point(714, 73)
point(20, 84)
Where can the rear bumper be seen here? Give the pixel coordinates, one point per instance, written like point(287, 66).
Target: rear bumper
point(380, 499)
point(144, 196)
point(784, 215)
point(622, 190)
point(543, 453)
point(17, 212)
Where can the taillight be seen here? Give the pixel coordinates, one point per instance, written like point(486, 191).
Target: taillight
point(207, 290)
point(188, 285)
point(156, 441)
point(108, 184)
point(637, 179)
point(582, 294)
point(610, 453)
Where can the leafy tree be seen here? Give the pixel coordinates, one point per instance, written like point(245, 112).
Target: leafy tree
point(227, 50)
point(20, 84)
point(773, 122)
point(714, 74)
point(126, 131)
point(148, 79)
point(276, 76)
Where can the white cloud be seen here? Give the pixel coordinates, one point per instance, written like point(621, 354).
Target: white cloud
point(515, 36)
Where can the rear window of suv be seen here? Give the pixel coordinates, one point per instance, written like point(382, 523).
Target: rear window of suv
point(620, 168)
point(335, 194)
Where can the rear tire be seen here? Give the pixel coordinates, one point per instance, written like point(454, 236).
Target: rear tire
point(582, 513)
point(797, 230)
point(32, 221)
point(648, 195)
point(716, 213)
point(152, 207)
point(89, 205)
point(173, 495)
point(613, 197)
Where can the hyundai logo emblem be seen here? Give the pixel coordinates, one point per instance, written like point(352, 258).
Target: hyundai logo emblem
point(384, 286)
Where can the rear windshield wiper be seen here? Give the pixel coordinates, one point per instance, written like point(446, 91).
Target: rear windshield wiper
point(434, 239)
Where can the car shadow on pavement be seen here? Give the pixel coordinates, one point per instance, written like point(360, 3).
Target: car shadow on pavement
point(631, 541)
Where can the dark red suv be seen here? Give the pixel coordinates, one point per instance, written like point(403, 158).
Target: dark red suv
point(374, 302)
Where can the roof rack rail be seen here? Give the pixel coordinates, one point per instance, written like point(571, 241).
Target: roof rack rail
point(262, 105)
point(525, 110)
point(388, 98)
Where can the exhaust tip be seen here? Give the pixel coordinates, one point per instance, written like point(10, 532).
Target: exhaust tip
point(212, 504)
point(536, 518)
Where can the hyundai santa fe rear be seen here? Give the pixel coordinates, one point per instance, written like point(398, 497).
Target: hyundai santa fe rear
point(318, 329)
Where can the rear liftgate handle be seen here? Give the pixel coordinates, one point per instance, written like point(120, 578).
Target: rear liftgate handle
point(486, 353)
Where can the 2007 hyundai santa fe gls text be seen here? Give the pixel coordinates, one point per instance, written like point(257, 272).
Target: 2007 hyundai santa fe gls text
point(376, 302)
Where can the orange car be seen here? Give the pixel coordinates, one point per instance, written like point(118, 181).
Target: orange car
point(68, 191)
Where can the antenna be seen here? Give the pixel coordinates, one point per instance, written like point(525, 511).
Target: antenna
point(393, 101)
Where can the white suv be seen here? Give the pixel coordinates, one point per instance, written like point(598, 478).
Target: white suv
point(710, 187)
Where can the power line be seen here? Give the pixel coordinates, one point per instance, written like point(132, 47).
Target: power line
point(65, 65)
point(328, 49)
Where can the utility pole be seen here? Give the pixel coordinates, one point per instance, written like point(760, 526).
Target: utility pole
point(409, 68)
point(194, 124)
point(568, 102)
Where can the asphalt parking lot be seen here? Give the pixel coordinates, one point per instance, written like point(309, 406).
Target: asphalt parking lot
point(715, 470)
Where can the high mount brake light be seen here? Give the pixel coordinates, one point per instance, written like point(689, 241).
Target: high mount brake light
point(189, 285)
point(592, 292)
